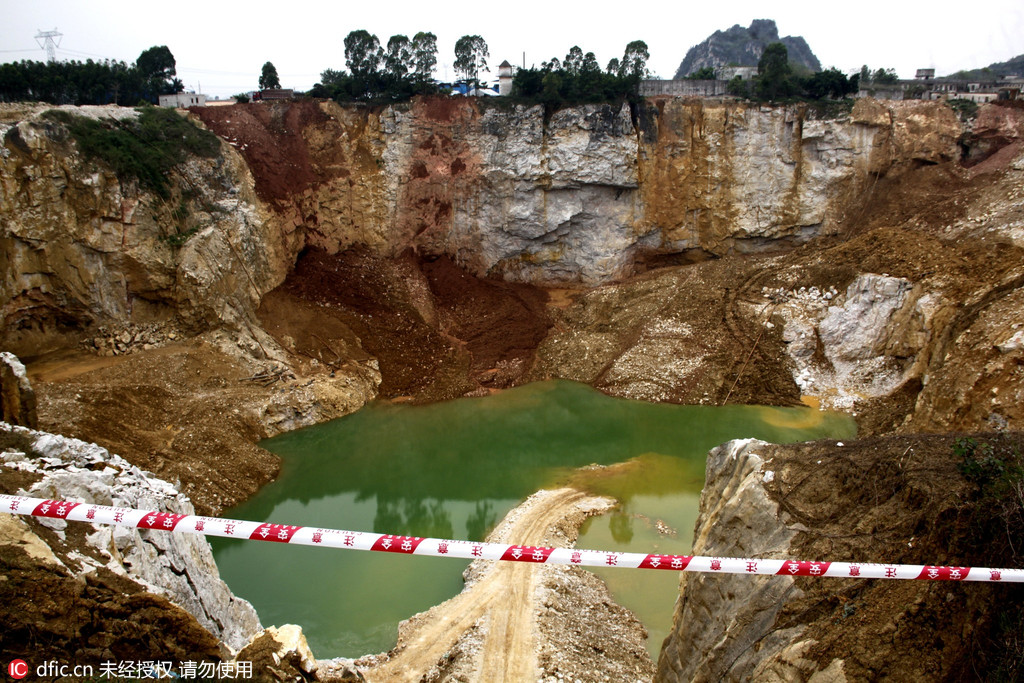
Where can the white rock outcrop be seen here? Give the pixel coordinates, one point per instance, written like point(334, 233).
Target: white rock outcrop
point(870, 336)
point(719, 619)
point(178, 566)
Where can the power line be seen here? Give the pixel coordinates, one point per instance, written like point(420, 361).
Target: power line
point(89, 54)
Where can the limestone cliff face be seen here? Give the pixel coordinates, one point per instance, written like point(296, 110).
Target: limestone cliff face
point(723, 625)
point(727, 178)
point(582, 196)
point(80, 247)
point(579, 196)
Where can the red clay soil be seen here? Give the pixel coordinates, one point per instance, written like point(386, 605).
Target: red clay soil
point(269, 136)
point(437, 332)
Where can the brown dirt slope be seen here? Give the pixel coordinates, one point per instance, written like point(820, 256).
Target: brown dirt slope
point(437, 331)
point(904, 500)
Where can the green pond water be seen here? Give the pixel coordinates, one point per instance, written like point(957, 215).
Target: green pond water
point(452, 470)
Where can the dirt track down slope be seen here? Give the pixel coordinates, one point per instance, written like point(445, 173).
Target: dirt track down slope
point(490, 631)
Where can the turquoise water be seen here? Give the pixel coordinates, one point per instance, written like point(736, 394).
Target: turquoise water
point(452, 470)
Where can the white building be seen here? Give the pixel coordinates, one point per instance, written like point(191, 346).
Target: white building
point(183, 100)
point(505, 73)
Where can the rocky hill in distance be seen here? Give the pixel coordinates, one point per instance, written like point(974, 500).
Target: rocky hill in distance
point(1011, 67)
point(743, 47)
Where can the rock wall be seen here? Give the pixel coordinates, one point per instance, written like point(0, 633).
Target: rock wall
point(177, 566)
point(579, 196)
point(722, 626)
point(17, 398)
point(585, 195)
point(81, 248)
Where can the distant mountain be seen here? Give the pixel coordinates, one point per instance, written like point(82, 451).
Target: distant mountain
point(1011, 67)
point(743, 47)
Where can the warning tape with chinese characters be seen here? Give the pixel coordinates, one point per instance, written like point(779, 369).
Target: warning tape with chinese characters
point(413, 545)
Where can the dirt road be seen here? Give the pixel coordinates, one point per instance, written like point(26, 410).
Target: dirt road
point(490, 631)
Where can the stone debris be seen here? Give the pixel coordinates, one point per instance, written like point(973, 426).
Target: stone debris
point(132, 338)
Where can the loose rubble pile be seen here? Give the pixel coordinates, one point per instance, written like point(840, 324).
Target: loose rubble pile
point(131, 338)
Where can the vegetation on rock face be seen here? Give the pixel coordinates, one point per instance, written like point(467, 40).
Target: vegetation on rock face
point(145, 149)
point(992, 523)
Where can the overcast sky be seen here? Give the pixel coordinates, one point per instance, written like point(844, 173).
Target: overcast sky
point(221, 46)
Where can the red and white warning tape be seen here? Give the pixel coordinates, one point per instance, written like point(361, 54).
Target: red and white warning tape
point(412, 545)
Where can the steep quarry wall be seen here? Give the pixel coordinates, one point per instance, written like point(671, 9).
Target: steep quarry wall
point(732, 178)
point(873, 500)
point(80, 247)
point(580, 196)
point(177, 566)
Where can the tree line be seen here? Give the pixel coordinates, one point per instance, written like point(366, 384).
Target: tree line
point(397, 71)
point(777, 80)
point(404, 68)
point(90, 82)
point(579, 77)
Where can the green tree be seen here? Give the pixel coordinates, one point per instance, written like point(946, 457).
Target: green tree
point(590, 65)
point(773, 80)
point(362, 54)
point(424, 51)
point(398, 61)
point(634, 60)
point(471, 58)
point(574, 60)
point(552, 84)
point(706, 73)
point(738, 87)
point(269, 79)
point(886, 76)
point(156, 68)
point(829, 83)
point(614, 67)
point(554, 65)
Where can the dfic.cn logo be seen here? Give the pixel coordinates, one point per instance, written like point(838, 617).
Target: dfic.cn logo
point(18, 668)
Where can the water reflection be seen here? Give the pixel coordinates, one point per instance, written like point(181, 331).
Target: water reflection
point(415, 517)
point(455, 467)
point(482, 520)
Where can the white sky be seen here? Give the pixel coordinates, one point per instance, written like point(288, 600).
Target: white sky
point(221, 46)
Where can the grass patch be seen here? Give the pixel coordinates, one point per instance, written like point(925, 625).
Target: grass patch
point(966, 109)
point(145, 149)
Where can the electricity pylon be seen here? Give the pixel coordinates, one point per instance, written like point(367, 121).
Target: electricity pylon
point(49, 45)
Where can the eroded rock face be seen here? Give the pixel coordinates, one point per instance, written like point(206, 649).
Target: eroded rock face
point(579, 197)
point(858, 344)
point(177, 566)
point(16, 394)
point(722, 624)
point(81, 247)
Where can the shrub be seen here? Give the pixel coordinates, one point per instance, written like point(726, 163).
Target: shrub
point(145, 149)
